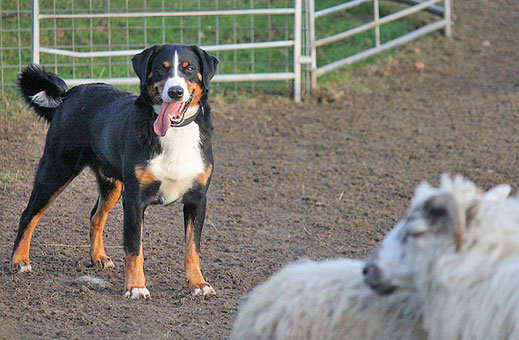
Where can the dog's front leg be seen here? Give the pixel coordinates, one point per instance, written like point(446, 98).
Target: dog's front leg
point(194, 215)
point(133, 224)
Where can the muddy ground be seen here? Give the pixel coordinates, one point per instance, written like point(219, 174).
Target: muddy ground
point(322, 179)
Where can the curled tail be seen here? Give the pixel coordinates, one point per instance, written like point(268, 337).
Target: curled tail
point(42, 90)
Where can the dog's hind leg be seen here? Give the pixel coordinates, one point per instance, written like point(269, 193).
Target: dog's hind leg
point(52, 178)
point(109, 193)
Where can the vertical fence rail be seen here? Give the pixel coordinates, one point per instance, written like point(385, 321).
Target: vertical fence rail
point(447, 17)
point(313, 51)
point(35, 49)
point(376, 13)
point(297, 51)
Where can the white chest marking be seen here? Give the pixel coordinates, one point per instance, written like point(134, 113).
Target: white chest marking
point(179, 163)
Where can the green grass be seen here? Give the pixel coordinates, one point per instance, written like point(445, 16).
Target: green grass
point(221, 30)
point(9, 177)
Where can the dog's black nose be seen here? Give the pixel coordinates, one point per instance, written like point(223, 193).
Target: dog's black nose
point(175, 92)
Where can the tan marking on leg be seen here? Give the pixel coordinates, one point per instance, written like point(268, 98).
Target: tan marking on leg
point(21, 255)
point(135, 271)
point(203, 177)
point(97, 249)
point(144, 175)
point(197, 284)
point(196, 90)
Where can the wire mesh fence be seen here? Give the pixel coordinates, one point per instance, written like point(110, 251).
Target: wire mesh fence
point(126, 33)
point(131, 25)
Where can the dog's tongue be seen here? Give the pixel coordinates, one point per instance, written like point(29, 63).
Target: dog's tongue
point(163, 122)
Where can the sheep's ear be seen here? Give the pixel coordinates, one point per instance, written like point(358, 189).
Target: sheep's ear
point(443, 216)
point(498, 193)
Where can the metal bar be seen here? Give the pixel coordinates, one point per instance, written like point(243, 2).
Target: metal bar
point(447, 16)
point(384, 47)
point(313, 52)
point(35, 50)
point(209, 48)
point(384, 20)
point(376, 12)
point(338, 8)
point(297, 51)
point(256, 11)
point(217, 78)
point(434, 9)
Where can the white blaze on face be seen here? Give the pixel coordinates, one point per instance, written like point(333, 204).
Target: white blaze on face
point(176, 80)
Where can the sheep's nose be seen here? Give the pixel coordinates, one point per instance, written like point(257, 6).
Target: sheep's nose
point(371, 274)
point(175, 92)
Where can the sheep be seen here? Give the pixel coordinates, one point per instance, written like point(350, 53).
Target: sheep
point(325, 300)
point(457, 249)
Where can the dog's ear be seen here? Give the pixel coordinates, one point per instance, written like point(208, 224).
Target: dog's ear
point(141, 62)
point(209, 64)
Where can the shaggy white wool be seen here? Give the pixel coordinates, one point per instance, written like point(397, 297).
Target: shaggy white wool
point(468, 293)
point(326, 300)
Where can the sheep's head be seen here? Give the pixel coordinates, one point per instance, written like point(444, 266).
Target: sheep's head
point(434, 224)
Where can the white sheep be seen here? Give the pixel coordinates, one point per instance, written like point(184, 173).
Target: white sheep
point(458, 250)
point(325, 300)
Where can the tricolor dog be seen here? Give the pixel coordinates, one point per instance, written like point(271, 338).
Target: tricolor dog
point(150, 149)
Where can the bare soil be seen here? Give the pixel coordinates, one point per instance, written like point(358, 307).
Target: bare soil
point(322, 179)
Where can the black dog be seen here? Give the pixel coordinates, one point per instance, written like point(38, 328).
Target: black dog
point(154, 149)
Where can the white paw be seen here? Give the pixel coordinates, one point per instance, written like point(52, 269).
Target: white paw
point(206, 290)
point(137, 293)
point(24, 268)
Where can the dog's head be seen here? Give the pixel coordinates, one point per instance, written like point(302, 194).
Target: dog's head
point(174, 78)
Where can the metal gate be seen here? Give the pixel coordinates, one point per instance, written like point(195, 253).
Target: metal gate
point(417, 5)
point(285, 30)
point(295, 75)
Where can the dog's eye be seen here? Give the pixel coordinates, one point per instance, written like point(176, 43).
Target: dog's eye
point(161, 69)
point(190, 69)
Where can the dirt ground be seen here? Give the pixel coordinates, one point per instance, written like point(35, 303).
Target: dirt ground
point(322, 179)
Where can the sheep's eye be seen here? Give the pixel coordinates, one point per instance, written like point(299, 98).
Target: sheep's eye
point(189, 69)
point(411, 234)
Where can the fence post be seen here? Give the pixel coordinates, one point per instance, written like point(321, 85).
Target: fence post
point(447, 16)
point(313, 54)
point(35, 47)
point(297, 50)
point(376, 11)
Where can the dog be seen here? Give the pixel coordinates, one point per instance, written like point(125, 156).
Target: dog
point(154, 148)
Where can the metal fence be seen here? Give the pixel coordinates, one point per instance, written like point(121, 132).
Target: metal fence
point(417, 6)
point(255, 40)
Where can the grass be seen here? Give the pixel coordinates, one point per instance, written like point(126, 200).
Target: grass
point(136, 33)
point(9, 177)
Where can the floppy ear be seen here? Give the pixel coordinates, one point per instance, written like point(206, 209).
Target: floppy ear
point(209, 64)
point(443, 215)
point(141, 62)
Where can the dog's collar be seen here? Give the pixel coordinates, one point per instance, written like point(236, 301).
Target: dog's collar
point(190, 119)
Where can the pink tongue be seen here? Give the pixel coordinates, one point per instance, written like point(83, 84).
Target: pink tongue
point(162, 123)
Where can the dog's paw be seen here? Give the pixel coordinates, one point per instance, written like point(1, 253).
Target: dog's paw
point(103, 262)
point(202, 289)
point(22, 267)
point(137, 293)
